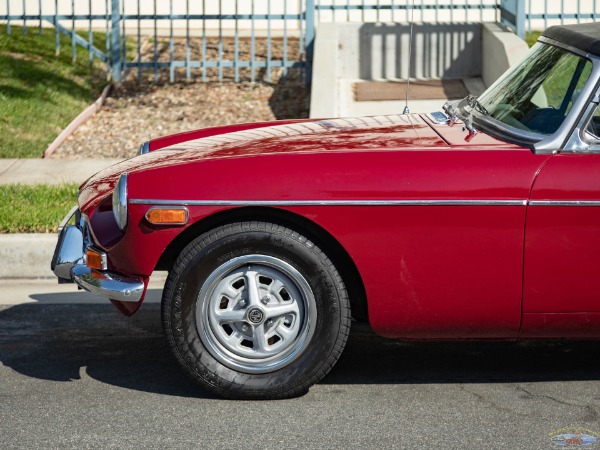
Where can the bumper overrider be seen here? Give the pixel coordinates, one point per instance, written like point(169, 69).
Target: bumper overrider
point(69, 264)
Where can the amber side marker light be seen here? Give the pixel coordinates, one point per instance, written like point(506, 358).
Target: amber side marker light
point(167, 216)
point(95, 259)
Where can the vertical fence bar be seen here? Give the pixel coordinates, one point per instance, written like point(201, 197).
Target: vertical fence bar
point(252, 44)
point(188, 67)
point(363, 10)
point(155, 43)
point(268, 40)
point(56, 32)
point(285, 42)
point(481, 10)
point(310, 37)
point(124, 41)
point(236, 44)
point(41, 14)
point(562, 11)
point(24, 29)
point(107, 38)
point(115, 45)
point(171, 45)
point(90, 33)
point(220, 44)
point(139, 44)
point(203, 40)
point(8, 14)
point(301, 49)
point(528, 17)
point(347, 10)
point(73, 44)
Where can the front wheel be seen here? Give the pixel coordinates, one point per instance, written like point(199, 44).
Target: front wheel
point(255, 310)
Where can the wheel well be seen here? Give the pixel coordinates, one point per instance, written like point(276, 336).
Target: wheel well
point(326, 242)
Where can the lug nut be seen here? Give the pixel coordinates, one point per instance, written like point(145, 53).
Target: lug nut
point(270, 322)
point(242, 303)
point(244, 327)
point(266, 299)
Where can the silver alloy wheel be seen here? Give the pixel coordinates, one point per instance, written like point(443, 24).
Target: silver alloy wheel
point(256, 313)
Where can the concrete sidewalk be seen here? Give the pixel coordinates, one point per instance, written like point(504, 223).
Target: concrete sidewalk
point(50, 171)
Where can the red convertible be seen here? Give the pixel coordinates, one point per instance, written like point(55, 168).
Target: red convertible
point(481, 222)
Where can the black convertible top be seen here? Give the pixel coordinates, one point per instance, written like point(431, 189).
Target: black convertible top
point(584, 36)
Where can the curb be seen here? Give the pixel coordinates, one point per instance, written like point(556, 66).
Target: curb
point(26, 255)
point(77, 122)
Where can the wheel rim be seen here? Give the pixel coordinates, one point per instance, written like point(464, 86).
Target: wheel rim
point(256, 313)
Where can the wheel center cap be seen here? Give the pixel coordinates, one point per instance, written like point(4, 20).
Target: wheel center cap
point(255, 316)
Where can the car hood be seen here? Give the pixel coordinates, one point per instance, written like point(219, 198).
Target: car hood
point(313, 136)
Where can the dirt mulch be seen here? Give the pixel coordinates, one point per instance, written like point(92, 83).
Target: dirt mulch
point(140, 111)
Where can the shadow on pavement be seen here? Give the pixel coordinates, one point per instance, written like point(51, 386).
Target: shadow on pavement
point(64, 342)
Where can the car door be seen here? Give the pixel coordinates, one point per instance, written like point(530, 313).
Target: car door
point(561, 295)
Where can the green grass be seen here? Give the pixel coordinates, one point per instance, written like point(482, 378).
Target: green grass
point(40, 93)
point(34, 209)
point(531, 37)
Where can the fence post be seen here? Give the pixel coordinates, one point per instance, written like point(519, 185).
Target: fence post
point(512, 14)
point(309, 20)
point(115, 43)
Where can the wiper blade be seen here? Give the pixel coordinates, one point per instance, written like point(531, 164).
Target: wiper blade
point(475, 104)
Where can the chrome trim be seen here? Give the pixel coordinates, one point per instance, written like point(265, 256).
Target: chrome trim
point(68, 252)
point(144, 148)
point(564, 202)
point(107, 284)
point(187, 215)
point(67, 218)
point(119, 201)
point(140, 201)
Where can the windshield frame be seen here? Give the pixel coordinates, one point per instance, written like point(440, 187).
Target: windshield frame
point(540, 143)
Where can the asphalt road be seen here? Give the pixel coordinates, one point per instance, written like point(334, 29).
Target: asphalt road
point(78, 375)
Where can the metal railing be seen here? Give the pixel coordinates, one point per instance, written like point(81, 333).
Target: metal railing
point(133, 41)
point(247, 39)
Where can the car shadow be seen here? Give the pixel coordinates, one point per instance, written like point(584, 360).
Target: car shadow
point(66, 342)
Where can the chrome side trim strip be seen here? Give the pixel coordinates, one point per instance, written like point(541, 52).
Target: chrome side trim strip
point(564, 203)
point(140, 201)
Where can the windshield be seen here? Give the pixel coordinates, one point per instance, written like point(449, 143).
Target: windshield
point(537, 94)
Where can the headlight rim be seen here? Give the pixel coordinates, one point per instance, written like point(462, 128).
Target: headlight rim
point(119, 201)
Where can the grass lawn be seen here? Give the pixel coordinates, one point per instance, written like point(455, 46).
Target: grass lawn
point(40, 93)
point(531, 37)
point(34, 209)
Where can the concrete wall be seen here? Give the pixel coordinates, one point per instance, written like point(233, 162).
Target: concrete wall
point(351, 52)
point(380, 51)
point(501, 49)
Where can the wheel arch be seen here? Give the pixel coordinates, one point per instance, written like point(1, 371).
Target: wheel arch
point(321, 237)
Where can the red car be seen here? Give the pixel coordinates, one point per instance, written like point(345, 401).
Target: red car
point(482, 222)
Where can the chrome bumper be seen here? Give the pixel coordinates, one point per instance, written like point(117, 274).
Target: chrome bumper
point(108, 284)
point(68, 264)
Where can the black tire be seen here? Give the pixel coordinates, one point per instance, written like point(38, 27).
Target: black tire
point(235, 358)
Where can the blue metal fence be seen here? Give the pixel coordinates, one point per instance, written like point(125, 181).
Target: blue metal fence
point(122, 25)
point(209, 47)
